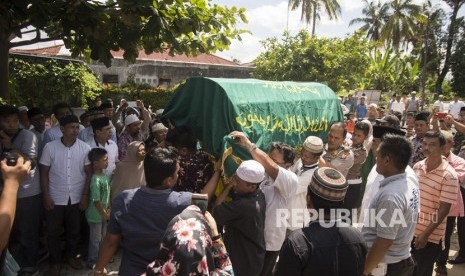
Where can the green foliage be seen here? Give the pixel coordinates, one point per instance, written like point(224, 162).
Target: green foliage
point(400, 23)
point(341, 63)
point(93, 29)
point(311, 10)
point(155, 97)
point(44, 82)
point(375, 14)
point(392, 71)
point(458, 68)
point(346, 64)
point(379, 75)
point(96, 27)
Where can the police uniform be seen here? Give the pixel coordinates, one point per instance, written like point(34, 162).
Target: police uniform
point(341, 159)
point(354, 179)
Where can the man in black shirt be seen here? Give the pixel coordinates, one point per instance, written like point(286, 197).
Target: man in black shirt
point(244, 219)
point(326, 246)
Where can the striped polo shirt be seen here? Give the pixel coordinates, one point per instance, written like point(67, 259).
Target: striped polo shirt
point(437, 185)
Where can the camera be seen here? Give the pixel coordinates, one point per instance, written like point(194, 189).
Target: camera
point(11, 158)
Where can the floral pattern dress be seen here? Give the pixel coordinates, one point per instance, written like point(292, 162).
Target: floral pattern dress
point(187, 248)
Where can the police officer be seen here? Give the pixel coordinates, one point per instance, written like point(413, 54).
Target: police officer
point(336, 154)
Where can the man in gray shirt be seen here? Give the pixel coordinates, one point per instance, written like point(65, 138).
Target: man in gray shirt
point(390, 226)
point(26, 228)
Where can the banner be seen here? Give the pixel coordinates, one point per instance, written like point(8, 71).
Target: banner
point(266, 111)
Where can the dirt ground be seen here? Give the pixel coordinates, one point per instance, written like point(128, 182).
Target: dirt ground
point(453, 270)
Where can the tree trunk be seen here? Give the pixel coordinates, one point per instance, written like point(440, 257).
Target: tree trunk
point(314, 20)
point(4, 74)
point(450, 40)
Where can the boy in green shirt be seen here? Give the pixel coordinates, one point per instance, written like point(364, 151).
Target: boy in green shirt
point(98, 212)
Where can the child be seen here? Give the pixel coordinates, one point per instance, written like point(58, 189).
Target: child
point(350, 123)
point(97, 213)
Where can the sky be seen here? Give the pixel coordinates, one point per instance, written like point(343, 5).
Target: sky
point(270, 18)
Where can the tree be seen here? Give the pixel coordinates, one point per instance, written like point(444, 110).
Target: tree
point(375, 17)
point(93, 28)
point(380, 75)
point(458, 67)
point(452, 30)
point(311, 10)
point(340, 63)
point(400, 24)
point(428, 40)
point(51, 81)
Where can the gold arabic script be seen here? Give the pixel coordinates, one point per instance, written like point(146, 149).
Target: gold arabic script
point(290, 123)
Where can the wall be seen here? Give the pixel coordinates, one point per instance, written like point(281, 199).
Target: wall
point(173, 71)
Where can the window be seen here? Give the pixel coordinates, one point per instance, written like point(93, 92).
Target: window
point(166, 82)
point(110, 79)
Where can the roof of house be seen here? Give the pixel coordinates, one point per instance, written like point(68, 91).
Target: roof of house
point(60, 50)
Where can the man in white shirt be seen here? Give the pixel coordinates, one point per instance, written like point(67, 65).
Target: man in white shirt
point(102, 139)
point(438, 105)
point(87, 133)
point(279, 186)
point(398, 105)
point(65, 174)
point(374, 178)
point(455, 106)
point(310, 154)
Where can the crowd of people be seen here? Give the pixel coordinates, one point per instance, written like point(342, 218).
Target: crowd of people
point(381, 197)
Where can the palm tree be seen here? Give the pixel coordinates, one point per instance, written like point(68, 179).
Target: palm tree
point(311, 10)
point(375, 15)
point(400, 25)
point(428, 35)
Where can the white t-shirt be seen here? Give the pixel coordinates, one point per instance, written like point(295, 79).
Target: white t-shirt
point(112, 151)
point(372, 188)
point(66, 177)
point(455, 108)
point(439, 105)
point(297, 205)
point(277, 194)
point(398, 106)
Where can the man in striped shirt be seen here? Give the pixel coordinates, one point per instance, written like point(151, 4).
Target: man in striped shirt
point(438, 191)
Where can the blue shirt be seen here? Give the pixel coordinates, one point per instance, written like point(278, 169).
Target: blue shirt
point(361, 111)
point(141, 216)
